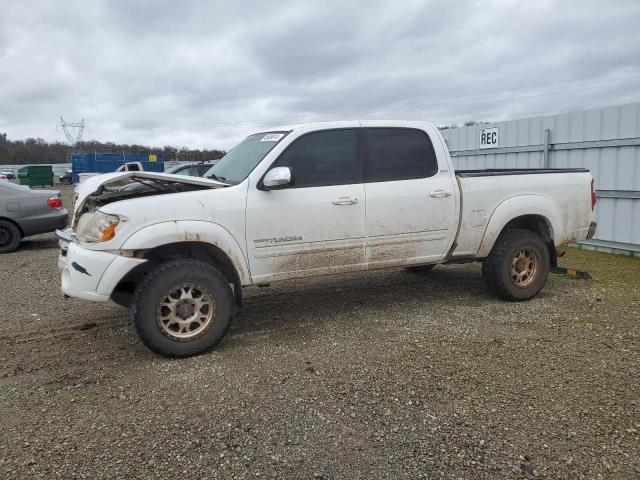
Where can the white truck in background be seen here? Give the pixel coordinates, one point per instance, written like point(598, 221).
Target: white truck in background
point(310, 200)
point(130, 167)
point(125, 167)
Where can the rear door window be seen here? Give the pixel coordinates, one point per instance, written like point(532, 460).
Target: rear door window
point(322, 158)
point(398, 154)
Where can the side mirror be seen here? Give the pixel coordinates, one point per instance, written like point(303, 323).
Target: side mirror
point(278, 177)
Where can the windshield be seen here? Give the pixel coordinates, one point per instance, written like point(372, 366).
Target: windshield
point(236, 165)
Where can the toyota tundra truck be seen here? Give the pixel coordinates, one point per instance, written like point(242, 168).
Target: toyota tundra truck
point(310, 200)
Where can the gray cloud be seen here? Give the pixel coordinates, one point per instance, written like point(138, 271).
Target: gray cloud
point(207, 73)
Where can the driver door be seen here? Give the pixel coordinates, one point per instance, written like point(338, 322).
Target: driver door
point(316, 224)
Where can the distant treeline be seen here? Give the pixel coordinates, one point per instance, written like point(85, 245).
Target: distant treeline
point(37, 150)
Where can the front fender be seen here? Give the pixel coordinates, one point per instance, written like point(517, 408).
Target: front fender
point(515, 207)
point(164, 233)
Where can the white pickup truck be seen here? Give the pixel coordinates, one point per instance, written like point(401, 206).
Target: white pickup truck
point(310, 200)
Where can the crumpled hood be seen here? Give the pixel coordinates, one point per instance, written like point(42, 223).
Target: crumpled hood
point(125, 184)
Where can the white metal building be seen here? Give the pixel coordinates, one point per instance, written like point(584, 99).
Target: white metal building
point(604, 140)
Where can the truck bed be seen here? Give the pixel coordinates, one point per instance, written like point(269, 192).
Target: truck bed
point(564, 199)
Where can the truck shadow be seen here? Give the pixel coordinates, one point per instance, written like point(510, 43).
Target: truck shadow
point(292, 303)
point(44, 241)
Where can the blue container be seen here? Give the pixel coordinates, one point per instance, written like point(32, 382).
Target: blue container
point(109, 162)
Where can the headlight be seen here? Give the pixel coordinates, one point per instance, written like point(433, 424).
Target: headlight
point(100, 228)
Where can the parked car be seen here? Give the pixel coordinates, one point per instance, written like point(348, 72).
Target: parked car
point(192, 169)
point(7, 173)
point(291, 203)
point(25, 212)
point(66, 177)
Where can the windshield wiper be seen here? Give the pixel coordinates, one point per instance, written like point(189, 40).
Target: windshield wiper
point(216, 177)
point(155, 185)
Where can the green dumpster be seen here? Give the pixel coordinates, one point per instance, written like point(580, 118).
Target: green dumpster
point(36, 175)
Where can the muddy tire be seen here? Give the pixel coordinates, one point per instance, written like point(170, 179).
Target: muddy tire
point(182, 308)
point(420, 269)
point(10, 236)
point(518, 265)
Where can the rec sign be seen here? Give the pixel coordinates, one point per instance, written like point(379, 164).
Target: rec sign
point(489, 137)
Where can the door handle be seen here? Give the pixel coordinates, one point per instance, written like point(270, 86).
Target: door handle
point(345, 200)
point(439, 193)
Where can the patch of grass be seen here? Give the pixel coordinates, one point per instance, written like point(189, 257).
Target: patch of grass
point(603, 267)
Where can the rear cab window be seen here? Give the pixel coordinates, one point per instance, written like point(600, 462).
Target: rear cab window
point(398, 154)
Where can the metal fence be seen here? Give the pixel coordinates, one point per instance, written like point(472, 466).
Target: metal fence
point(605, 140)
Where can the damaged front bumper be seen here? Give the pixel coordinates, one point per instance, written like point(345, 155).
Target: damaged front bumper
point(90, 274)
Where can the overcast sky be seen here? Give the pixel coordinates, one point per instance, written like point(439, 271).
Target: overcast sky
point(206, 73)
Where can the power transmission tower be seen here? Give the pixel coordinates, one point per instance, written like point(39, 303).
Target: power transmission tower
point(73, 137)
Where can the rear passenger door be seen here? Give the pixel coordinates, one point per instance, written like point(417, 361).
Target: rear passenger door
point(410, 206)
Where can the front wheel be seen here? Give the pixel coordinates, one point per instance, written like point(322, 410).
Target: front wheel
point(182, 308)
point(518, 265)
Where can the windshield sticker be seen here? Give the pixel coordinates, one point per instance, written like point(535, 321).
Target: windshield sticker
point(272, 137)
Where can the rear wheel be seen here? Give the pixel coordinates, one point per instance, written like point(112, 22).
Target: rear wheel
point(182, 308)
point(518, 265)
point(10, 236)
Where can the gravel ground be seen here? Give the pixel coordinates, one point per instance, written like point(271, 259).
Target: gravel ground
point(383, 374)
